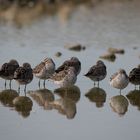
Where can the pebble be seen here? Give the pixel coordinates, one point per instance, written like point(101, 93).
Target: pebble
point(58, 54)
point(115, 50)
point(76, 47)
point(109, 56)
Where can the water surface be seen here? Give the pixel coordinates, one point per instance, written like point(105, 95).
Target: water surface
point(107, 25)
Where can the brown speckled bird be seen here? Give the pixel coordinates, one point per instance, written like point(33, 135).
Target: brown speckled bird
point(73, 62)
point(23, 75)
point(44, 70)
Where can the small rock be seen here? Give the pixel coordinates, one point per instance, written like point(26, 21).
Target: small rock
point(84, 47)
point(135, 48)
point(109, 56)
point(58, 54)
point(76, 47)
point(115, 50)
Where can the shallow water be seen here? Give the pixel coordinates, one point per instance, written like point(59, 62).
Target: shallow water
point(107, 25)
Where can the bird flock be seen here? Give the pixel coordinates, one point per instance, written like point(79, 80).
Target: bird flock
point(66, 74)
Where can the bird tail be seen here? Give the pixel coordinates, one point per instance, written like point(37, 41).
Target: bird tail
point(0, 73)
point(87, 74)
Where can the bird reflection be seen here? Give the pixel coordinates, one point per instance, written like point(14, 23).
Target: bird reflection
point(72, 92)
point(66, 104)
point(43, 97)
point(134, 98)
point(7, 96)
point(97, 95)
point(23, 105)
point(119, 104)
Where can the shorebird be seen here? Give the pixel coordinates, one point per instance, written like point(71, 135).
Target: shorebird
point(7, 70)
point(134, 76)
point(119, 80)
point(73, 62)
point(23, 75)
point(65, 78)
point(97, 72)
point(44, 70)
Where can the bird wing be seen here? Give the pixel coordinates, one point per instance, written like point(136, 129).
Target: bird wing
point(4, 68)
point(12, 68)
point(62, 67)
point(113, 76)
point(135, 73)
point(39, 67)
point(59, 76)
point(8, 69)
point(95, 71)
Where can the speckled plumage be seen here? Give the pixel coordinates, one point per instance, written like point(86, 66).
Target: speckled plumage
point(65, 78)
point(73, 62)
point(44, 70)
point(23, 75)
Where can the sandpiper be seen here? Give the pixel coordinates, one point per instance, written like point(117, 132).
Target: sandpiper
point(119, 80)
point(73, 62)
point(134, 76)
point(44, 70)
point(7, 70)
point(23, 75)
point(97, 72)
point(65, 78)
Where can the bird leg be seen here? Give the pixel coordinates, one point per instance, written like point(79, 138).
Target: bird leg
point(19, 89)
point(98, 83)
point(5, 84)
point(120, 91)
point(44, 83)
point(10, 84)
point(25, 89)
point(94, 84)
point(135, 87)
point(39, 83)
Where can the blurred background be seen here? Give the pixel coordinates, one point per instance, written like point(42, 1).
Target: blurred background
point(21, 12)
point(31, 30)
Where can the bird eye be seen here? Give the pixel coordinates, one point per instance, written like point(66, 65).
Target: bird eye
point(22, 71)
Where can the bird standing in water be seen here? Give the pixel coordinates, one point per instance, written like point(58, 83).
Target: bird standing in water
point(23, 75)
point(73, 62)
point(97, 72)
point(134, 76)
point(65, 78)
point(119, 80)
point(44, 70)
point(7, 70)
